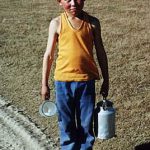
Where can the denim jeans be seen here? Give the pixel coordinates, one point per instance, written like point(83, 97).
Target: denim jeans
point(75, 103)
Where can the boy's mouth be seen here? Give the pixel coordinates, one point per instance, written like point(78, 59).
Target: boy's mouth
point(73, 9)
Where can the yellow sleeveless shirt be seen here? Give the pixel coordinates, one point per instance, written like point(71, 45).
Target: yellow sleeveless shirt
point(75, 60)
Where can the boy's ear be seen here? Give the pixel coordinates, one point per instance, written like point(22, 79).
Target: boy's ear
point(59, 1)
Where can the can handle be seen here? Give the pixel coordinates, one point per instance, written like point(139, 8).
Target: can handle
point(104, 105)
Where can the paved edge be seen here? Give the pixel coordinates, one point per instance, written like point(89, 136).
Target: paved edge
point(32, 136)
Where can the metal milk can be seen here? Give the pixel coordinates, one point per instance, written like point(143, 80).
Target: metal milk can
point(106, 120)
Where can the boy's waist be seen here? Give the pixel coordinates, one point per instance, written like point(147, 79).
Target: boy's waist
point(62, 76)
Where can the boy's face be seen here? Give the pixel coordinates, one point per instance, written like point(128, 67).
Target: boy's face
point(72, 7)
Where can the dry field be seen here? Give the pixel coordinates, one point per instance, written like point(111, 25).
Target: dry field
point(126, 36)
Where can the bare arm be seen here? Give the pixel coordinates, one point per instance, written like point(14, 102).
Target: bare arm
point(101, 56)
point(48, 58)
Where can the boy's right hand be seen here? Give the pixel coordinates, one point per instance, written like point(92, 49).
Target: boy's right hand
point(45, 93)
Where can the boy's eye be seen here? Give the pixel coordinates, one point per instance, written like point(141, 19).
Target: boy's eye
point(70, 0)
point(67, 0)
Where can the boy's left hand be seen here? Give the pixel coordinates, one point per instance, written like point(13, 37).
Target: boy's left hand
point(104, 89)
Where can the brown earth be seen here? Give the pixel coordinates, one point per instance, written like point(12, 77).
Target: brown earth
point(126, 36)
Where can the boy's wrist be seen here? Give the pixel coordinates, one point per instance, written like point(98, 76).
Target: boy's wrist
point(45, 85)
point(106, 80)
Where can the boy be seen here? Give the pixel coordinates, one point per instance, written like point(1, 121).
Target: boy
point(75, 73)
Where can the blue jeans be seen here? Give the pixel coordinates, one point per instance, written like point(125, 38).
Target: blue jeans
point(75, 103)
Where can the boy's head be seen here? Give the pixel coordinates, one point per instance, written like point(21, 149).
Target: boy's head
point(72, 7)
point(66, 0)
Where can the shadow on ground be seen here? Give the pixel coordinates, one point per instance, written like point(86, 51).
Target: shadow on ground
point(145, 146)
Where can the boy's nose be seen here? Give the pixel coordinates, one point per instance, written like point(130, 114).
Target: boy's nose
point(73, 2)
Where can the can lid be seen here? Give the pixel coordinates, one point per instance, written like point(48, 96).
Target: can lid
point(105, 103)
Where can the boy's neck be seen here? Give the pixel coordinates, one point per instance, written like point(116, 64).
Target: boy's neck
point(79, 15)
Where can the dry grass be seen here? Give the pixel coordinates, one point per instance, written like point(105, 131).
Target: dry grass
point(126, 35)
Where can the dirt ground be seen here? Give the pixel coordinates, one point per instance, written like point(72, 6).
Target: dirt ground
point(126, 36)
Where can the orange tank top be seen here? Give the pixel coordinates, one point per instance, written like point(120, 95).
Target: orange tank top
point(75, 60)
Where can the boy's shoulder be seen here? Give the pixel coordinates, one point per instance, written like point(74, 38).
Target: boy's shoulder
point(56, 19)
point(55, 23)
point(93, 21)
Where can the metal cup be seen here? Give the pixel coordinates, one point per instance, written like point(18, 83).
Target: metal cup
point(47, 109)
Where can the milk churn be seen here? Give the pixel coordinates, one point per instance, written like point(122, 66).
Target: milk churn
point(106, 120)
